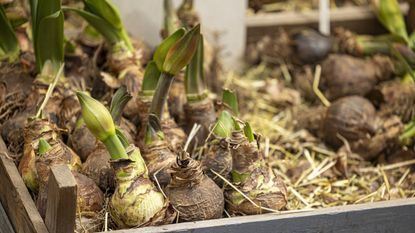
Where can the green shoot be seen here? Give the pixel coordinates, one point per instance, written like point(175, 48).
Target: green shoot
point(9, 46)
point(181, 52)
point(153, 131)
point(249, 133)
point(403, 61)
point(105, 18)
point(236, 124)
point(194, 76)
point(150, 80)
point(224, 126)
point(162, 50)
point(408, 134)
point(118, 103)
point(48, 42)
point(122, 137)
point(174, 53)
point(390, 15)
point(43, 147)
point(229, 98)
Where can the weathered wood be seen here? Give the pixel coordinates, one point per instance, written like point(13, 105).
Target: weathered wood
point(5, 225)
point(382, 217)
point(16, 199)
point(361, 20)
point(61, 205)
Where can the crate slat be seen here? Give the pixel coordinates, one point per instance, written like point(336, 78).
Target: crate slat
point(361, 20)
point(5, 225)
point(16, 199)
point(395, 216)
point(61, 204)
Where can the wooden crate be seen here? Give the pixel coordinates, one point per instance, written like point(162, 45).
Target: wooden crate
point(396, 216)
point(358, 19)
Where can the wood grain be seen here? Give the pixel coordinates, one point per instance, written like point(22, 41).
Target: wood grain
point(382, 217)
point(16, 199)
point(5, 225)
point(61, 205)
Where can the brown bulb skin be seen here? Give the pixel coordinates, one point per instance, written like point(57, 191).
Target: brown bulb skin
point(98, 168)
point(344, 75)
point(193, 194)
point(90, 198)
point(159, 158)
point(352, 117)
point(219, 159)
point(202, 202)
point(83, 142)
point(202, 113)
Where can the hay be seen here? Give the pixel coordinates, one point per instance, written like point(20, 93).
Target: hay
point(309, 168)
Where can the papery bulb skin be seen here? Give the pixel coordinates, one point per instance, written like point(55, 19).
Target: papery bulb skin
point(136, 200)
point(193, 194)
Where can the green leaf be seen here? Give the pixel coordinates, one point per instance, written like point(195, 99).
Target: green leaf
point(48, 38)
point(408, 133)
point(194, 77)
point(236, 124)
point(390, 15)
point(118, 103)
point(239, 177)
point(9, 46)
point(33, 12)
point(180, 54)
point(122, 137)
point(401, 57)
point(108, 12)
point(105, 18)
point(153, 132)
point(224, 125)
point(249, 133)
point(161, 52)
point(102, 26)
point(229, 98)
point(151, 78)
point(43, 147)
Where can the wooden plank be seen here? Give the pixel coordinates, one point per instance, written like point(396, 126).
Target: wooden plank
point(305, 17)
point(395, 216)
point(16, 199)
point(61, 205)
point(5, 225)
point(361, 20)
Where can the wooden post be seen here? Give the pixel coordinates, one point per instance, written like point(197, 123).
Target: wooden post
point(324, 17)
point(61, 205)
